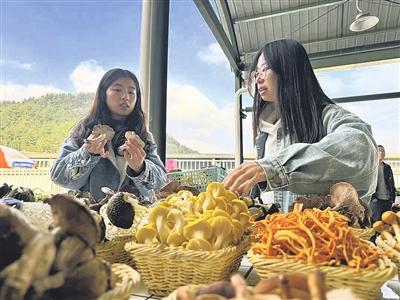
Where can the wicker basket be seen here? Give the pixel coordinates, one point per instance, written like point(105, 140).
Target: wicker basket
point(363, 233)
point(113, 250)
point(199, 178)
point(126, 280)
point(163, 268)
point(385, 246)
point(365, 284)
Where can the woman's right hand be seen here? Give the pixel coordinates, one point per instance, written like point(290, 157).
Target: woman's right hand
point(97, 147)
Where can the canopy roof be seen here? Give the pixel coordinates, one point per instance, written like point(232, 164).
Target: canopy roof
point(242, 27)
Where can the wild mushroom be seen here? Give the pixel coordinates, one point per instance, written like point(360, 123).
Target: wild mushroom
point(379, 226)
point(175, 239)
point(147, 234)
point(344, 198)
point(132, 136)
point(238, 207)
point(197, 229)
point(72, 218)
point(316, 284)
point(100, 133)
point(158, 216)
point(199, 244)
point(216, 189)
point(222, 232)
point(119, 211)
point(176, 220)
point(391, 218)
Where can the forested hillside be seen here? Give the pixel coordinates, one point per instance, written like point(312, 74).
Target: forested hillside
point(41, 124)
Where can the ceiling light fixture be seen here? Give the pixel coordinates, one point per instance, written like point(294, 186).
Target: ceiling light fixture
point(363, 21)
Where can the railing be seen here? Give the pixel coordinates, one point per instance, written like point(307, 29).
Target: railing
point(40, 178)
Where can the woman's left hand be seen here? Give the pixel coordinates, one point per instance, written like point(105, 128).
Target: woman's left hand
point(243, 178)
point(134, 155)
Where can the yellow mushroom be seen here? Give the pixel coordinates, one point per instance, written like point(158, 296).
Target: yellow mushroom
point(244, 218)
point(391, 218)
point(216, 189)
point(238, 207)
point(176, 220)
point(175, 239)
point(147, 234)
point(158, 216)
point(208, 202)
point(230, 196)
point(197, 229)
point(199, 244)
point(222, 232)
point(238, 231)
point(379, 226)
point(220, 203)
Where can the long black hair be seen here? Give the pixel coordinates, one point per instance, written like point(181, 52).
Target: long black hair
point(300, 97)
point(99, 112)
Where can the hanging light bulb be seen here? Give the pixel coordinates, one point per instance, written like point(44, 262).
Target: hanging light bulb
point(363, 21)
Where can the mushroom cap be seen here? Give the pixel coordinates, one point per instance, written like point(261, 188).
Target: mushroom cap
point(131, 135)
point(390, 217)
point(378, 226)
point(199, 244)
point(199, 228)
point(170, 187)
point(74, 218)
point(104, 129)
point(146, 234)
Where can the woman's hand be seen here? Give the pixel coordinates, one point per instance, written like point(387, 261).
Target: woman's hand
point(243, 178)
point(134, 155)
point(96, 148)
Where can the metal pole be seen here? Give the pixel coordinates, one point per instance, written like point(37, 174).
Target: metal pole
point(145, 30)
point(238, 119)
point(158, 65)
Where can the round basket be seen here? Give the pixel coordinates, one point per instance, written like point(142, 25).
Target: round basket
point(163, 268)
point(125, 279)
point(365, 284)
point(113, 250)
point(385, 246)
point(363, 233)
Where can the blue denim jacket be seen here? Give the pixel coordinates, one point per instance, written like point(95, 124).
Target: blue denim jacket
point(77, 169)
point(347, 152)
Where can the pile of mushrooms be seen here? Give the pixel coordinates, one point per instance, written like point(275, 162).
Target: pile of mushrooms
point(278, 287)
point(343, 198)
point(386, 228)
point(59, 264)
point(213, 220)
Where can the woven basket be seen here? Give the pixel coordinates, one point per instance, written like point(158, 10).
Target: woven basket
point(365, 284)
point(113, 250)
point(363, 233)
point(385, 246)
point(163, 268)
point(126, 280)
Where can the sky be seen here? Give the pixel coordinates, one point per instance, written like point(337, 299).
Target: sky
point(66, 46)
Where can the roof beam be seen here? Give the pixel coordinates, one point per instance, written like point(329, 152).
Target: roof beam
point(369, 97)
point(338, 39)
point(215, 26)
point(283, 12)
point(226, 20)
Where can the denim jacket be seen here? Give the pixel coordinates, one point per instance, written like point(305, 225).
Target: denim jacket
point(347, 152)
point(77, 169)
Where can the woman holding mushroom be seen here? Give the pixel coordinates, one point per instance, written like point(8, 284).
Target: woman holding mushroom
point(305, 143)
point(121, 153)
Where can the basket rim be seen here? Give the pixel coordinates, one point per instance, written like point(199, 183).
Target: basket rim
point(182, 252)
point(387, 263)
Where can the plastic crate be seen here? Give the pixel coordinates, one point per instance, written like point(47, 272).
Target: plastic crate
point(199, 178)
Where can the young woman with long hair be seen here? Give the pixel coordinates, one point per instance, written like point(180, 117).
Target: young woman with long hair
point(304, 141)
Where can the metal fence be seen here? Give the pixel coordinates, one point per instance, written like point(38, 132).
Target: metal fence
point(39, 178)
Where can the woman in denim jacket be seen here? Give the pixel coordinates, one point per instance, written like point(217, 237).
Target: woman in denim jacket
point(89, 166)
point(305, 143)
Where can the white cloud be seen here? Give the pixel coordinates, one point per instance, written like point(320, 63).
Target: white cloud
point(17, 64)
point(18, 92)
point(212, 54)
point(198, 123)
point(86, 76)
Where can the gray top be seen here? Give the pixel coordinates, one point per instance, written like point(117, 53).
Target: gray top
point(346, 153)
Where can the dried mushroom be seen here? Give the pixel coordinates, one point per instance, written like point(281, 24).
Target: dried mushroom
point(120, 212)
point(100, 133)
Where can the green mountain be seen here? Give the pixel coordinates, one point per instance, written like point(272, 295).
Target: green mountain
point(40, 124)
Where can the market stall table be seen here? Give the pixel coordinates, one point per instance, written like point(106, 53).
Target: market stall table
point(252, 278)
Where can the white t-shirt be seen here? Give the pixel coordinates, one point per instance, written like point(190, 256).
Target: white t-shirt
point(270, 148)
point(120, 163)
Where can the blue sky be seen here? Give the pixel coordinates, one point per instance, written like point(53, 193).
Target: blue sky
point(66, 46)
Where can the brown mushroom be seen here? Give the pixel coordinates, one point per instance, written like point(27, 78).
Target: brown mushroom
point(101, 132)
point(379, 226)
point(316, 284)
point(391, 218)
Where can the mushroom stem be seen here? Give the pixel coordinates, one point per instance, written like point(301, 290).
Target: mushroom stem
point(391, 218)
point(317, 286)
point(379, 226)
